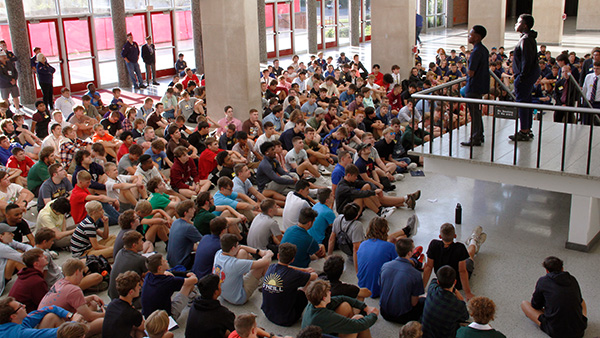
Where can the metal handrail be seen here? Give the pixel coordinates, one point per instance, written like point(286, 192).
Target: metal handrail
point(498, 81)
point(506, 103)
point(585, 100)
point(442, 86)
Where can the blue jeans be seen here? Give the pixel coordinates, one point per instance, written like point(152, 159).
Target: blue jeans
point(134, 69)
point(113, 215)
point(400, 169)
point(169, 114)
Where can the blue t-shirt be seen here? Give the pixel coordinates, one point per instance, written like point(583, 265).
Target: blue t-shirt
point(305, 245)
point(337, 174)
point(231, 270)
point(6, 153)
point(221, 199)
point(347, 98)
point(325, 217)
point(157, 291)
point(282, 301)
point(205, 255)
point(399, 282)
point(371, 255)
point(309, 109)
point(157, 158)
point(182, 238)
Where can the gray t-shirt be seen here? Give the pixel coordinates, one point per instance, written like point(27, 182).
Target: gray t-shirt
point(261, 229)
point(125, 163)
point(187, 107)
point(240, 187)
point(295, 157)
point(53, 191)
point(126, 260)
point(355, 230)
point(54, 272)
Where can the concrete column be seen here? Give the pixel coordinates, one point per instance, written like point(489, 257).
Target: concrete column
point(393, 34)
point(231, 64)
point(548, 20)
point(22, 49)
point(197, 31)
point(311, 17)
point(423, 12)
point(491, 14)
point(262, 31)
point(355, 22)
point(117, 11)
point(450, 13)
point(584, 225)
point(588, 14)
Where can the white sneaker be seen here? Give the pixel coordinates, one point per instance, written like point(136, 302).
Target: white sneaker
point(411, 166)
point(387, 212)
point(322, 181)
point(398, 177)
point(323, 170)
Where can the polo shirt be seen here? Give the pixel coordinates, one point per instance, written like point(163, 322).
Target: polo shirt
point(399, 282)
point(240, 187)
point(38, 173)
point(207, 162)
point(221, 199)
point(305, 245)
point(80, 240)
point(203, 218)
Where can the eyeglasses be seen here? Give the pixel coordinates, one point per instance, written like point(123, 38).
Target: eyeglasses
point(21, 306)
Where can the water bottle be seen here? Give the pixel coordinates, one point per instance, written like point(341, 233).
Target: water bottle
point(458, 214)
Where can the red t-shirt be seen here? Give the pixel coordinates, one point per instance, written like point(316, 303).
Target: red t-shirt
point(78, 201)
point(24, 165)
point(123, 149)
point(395, 100)
point(378, 77)
point(207, 162)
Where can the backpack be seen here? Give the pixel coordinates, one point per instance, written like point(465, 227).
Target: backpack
point(344, 241)
point(98, 264)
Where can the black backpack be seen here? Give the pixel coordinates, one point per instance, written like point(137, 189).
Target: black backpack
point(98, 264)
point(343, 240)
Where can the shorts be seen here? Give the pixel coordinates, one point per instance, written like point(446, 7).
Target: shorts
point(470, 266)
point(281, 188)
point(250, 284)
point(178, 305)
point(10, 91)
point(544, 324)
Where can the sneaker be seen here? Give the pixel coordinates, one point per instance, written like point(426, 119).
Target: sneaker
point(520, 136)
point(412, 224)
point(324, 171)
point(530, 134)
point(387, 212)
point(103, 286)
point(416, 195)
point(322, 181)
point(417, 253)
point(410, 202)
point(143, 86)
point(53, 254)
point(411, 166)
point(389, 188)
point(156, 83)
point(398, 177)
point(477, 238)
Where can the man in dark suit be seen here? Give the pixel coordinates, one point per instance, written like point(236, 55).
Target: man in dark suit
point(149, 57)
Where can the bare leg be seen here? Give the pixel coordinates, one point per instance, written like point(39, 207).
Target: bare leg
point(95, 327)
point(391, 201)
point(147, 247)
point(128, 196)
point(307, 166)
point(11, 267)
point(187, 193)
point(530, 312)
point(50, 321)
point(204, 185)
point(90, 280)
point(173, 193)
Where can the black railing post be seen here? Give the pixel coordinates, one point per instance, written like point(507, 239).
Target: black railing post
point(539, 154)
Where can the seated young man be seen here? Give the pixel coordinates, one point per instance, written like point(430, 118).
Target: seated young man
point(125, 188)
point(205, 205)
point(442, 292)
point(208, 247)
point(207, 315)
point(294, 202)
point(557, 305)
point(483, 311)
point(80, 195)
point(159, 157)
point(183, 236)
point(347, 221)
point(44, 239)
point(111, 145)
point(67, 294)
point(227, 139)
point(243, 273)
point(159, 199)
point(333, 269)
point(184, 175)
point(351, 189)
point(85, 162)
point(283, 301)
point(246, 149)
point(20, 161)
point(296, 161)
point(12, 193)
point(207, 161)
point(128, 259)
point(386, 169)
point(369, 172)
point(335, 141)
point(339, 171)
point(157, 325)
point(177, 140)
point(335, 315)
point(10, 258)
point(41, 323)
point(272, 179)
point(264, 231)
point(317, 152)
point(307, 248)
point(385, 147)
point(30, 286)
point(226, 196)
point(454, 254)
point(149, 136)
point(243, 185)
point(121, 316)
point(147, 170)
point(56, 186)
point(159, 286)
point(84, 241)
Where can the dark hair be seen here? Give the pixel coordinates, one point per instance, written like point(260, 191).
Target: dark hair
point(323, 194)
point(207, 286)
point(144, 158)
point(266, 146)
point(334, 267)
point(153, 183)
point(183, 207)
point(46, 152)
point(404, 246)
point(131, 237)
point(446, 276)
point(267, 204)
point(136, 149)
point(11, 207)
point(202, 198)
point(221, 158)
point(126, 282)
point(307, 215)
point(553, 264)
point(224, 182)
point(16, 150)
point(217, 225)
point(125, 134)
point(301, 185)
point(527, 19)
point(311, 331)
point(154, 262)
point(80, 154)
point(44, 234)
point(126, 218)
point(6, 310)
point(61, 205)
point(228, 242)
point(350, 211)
point(351, 169)
point(287, 252)
point(480, 30)
point(31, 256)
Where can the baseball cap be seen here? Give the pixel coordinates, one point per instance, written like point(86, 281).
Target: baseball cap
point(5, 227)
point(319, 111)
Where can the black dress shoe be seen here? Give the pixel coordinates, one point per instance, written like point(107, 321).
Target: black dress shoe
point(471, 143)
point(156, 83)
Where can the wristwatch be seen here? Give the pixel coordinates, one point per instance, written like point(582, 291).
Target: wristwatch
point(70, 316)
point(257, 250)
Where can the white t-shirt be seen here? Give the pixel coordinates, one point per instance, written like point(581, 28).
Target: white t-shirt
point(12, 193)
point(293, 157)
point(291, 211)
point(110, 182)
point(65, 105)
point(262, 139)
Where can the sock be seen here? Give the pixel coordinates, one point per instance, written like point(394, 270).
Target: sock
point(379, 211)
point(407, 231)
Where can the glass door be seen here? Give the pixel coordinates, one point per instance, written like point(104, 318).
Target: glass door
point(105, 45)
point(80, 56)
point(300, 27)
point(44, 34)
point(162, 37)
point(279, 21)
point(328, 23)
point(344, 21)
point(271, 30)
point(436, 14)
point(365, 20)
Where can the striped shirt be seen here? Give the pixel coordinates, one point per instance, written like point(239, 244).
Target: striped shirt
point(80, 240)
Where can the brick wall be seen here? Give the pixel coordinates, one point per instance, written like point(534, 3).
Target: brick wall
point(461, 12)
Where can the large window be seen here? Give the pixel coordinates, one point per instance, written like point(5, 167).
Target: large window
point(40, 8)
point(74, 7)
point(185, 37)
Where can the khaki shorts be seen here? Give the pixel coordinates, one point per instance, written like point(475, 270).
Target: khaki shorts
point(250, 284)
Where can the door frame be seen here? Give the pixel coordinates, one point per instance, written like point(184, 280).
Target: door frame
point(79, 86)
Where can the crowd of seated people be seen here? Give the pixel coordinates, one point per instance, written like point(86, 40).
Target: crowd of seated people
point(196, 201)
